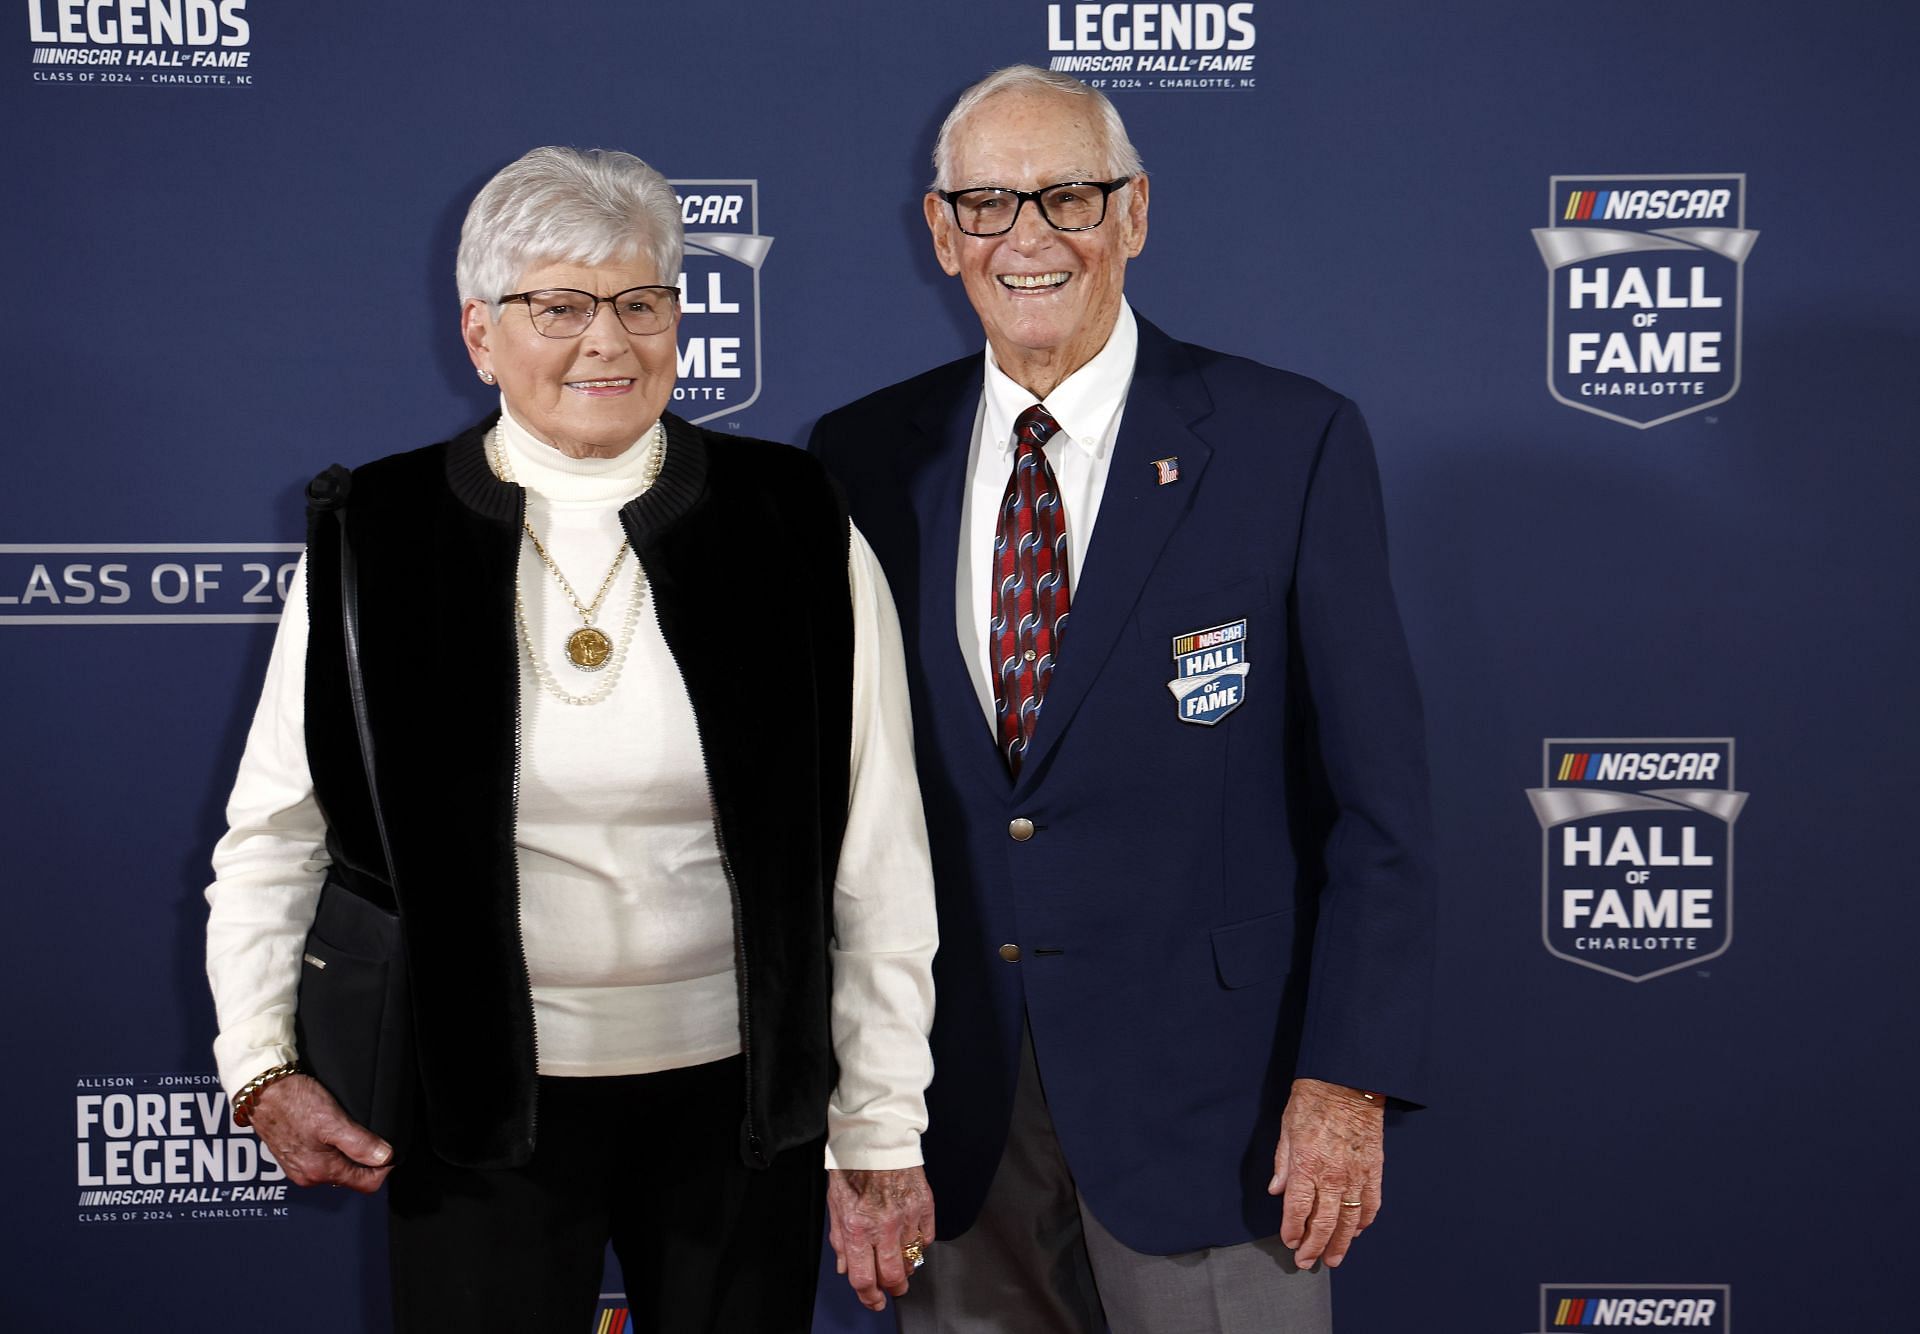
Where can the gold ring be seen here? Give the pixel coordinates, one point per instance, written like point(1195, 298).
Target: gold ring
point(913, 1255)
point(1349, 1204)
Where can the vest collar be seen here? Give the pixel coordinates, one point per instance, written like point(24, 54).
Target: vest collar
point(682, 480)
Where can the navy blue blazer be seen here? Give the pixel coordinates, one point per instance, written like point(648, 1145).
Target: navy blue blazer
point(1220, 892)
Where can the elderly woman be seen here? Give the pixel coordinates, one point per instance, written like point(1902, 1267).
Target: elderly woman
point(609, 711)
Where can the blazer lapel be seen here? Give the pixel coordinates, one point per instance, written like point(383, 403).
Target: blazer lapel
point(936, 492)
point(1137, 515)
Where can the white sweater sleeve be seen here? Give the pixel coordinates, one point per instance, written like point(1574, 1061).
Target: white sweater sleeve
point(885, 930)
point(268, 869)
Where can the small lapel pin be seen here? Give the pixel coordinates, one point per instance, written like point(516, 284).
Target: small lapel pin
point(1168, 470)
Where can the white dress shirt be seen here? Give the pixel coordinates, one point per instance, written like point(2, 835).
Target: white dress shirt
point(626, 914)
point(1088, 405)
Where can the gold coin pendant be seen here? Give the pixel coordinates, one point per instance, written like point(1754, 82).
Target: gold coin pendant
point(589, 648)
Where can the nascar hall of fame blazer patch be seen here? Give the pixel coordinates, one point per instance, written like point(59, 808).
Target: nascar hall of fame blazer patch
point(719, 362)
point(1210, 672)
point(1637, 852)
point(1645, 276)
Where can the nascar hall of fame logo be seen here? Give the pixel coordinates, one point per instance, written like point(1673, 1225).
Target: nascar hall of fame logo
point(1695, 1306)
point(144, 583)
point(719, 298)
point(1637, 852)
point(205, 43)
point(1644, 283)
point(164, 1148)
point(1117, 46)
point(1210, 672)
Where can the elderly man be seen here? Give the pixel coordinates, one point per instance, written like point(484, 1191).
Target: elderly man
point(1170, 747)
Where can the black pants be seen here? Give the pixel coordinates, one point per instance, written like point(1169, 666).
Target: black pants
point(649, 1162)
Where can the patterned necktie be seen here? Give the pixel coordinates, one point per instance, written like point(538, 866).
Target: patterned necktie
point(1031, 597)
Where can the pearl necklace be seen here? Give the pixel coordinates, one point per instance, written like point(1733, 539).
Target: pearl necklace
point(609, 657)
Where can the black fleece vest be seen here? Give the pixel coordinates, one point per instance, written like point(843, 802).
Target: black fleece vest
point(745, 548)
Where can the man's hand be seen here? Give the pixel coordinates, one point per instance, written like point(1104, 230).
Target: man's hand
point(1330, 1154)
point(872, 1218)
point(314, 1141)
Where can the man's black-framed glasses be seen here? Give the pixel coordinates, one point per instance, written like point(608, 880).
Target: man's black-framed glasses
point(567, 312)
point(1070, 206)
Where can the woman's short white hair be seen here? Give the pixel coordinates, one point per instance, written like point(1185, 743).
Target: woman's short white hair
point(1122, 158)
point(567, 206)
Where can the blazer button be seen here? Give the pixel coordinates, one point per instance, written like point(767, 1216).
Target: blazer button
point(1021, 829)
point(1011, 953)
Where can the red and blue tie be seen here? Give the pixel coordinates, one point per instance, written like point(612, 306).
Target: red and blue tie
point(1031, 593)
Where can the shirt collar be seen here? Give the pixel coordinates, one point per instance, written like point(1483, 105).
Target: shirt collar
point(1086, 404)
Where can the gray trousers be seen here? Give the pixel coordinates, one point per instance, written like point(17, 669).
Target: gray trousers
point(1038, 1262)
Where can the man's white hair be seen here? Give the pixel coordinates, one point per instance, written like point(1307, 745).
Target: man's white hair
point(567, 206)
point(1122, 158)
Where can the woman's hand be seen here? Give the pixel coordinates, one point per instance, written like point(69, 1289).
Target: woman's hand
point(872, 1218)
point(314, 1141)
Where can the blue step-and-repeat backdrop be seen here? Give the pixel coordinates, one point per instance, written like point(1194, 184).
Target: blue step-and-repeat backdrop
point(1627, 297)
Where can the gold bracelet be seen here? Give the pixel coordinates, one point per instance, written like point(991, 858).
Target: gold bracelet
point(243, 1100)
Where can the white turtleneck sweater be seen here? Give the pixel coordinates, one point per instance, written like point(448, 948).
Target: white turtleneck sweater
point(626, 914)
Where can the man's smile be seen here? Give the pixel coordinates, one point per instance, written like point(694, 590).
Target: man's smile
point(1033, 282)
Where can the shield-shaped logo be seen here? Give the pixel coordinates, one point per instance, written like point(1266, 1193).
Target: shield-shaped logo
point(719, 298)
point(1210, 672)
point(1645, 279)
point(1637, 852)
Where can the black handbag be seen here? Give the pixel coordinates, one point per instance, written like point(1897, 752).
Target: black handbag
point(353, 1023)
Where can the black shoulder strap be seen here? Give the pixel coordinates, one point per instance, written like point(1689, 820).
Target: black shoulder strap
point(329, 491)
point(356, 685)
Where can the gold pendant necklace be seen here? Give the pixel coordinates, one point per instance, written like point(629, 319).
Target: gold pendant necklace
point(589, 648)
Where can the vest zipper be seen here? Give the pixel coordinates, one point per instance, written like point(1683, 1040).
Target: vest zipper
point(519, 897)
point(742, 981)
